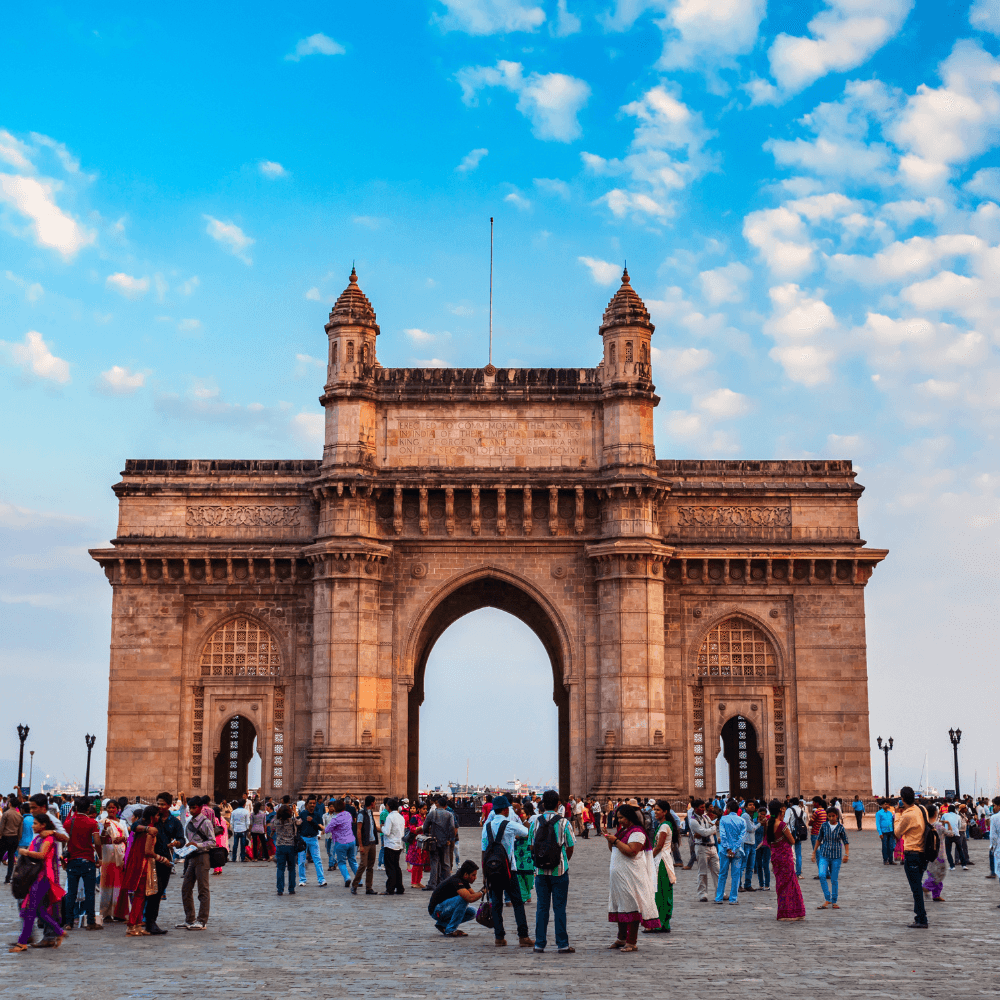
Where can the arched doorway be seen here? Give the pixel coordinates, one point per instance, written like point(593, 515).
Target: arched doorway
point(487, 592)
point(746, 769)
point(236, 743)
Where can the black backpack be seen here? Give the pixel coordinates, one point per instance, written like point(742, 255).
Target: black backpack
point(546, 850)
point(932, 840)
point(496, 864)
point(799, 829)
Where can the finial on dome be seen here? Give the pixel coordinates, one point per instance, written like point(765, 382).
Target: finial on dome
point(625, 278)
point(354, 275)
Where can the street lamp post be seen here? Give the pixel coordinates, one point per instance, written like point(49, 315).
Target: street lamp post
point(955, 735)
point(22, 735)
point(91, 740)
point(31, 769)
point(885, 748)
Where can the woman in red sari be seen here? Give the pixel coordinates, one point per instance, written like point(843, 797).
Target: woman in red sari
point(779, 838)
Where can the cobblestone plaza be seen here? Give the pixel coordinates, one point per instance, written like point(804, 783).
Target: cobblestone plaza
point(327, 943)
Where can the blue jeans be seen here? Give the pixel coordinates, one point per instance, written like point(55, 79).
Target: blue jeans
point(240, 843)
point(554, 889)
point(814, 837)
point(347, 854)
point(764, 866)
point(381, 851)
point(829, 867)
point(331, 852)
point(888, 847)
point(76, 869)
point(452, 913)
point(993, 870)
point(284, 854)
point(312, 850)
point(915, 866)
point(749, 858)
point(726, 863)
point(798, 857)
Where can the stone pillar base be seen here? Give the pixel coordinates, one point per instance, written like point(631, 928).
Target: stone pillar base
point(333, 770)
point(633, 771)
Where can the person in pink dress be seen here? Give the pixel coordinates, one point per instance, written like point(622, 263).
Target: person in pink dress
point(779, 838)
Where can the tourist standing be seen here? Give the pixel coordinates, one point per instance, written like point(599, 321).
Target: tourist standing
point(831, 849)
point(817, 818)
point(499, 833)
point(884, 827)
point(631, 896)
point(663, 860)
point(114, 837)
point(258, 833)
point(705, 836)
point(749, 845)
point(416, 852)
point(762, 851)
point(598, 812)
point(859, 809)
point(142, 868)
point(933, 884)
point(393, 829)
point(309, 829)
point(239, 823)
point(200, 834)
point(44, 893)
point(367, 830)
point(11, 823)
point(284, 828)
point(732, 832)
point(84, 853)
point(524, 865)
point(910, 823)
point(441, 831)
point(795, 820)
point(995, 833)
point(551, 843)
point(780, 840)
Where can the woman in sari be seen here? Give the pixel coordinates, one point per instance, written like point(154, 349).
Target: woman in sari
point(222, 839)
point(140, 870)
point(416, 856)
point(780, 840)
point(258, 834)
point(114, 836)
point(525, 873)
point(45, 891)
point(631, 899)
point(663, 859)
point(938, 868)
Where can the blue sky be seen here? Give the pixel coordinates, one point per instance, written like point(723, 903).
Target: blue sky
point(806, 195)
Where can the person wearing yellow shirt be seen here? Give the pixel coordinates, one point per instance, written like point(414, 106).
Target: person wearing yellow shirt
point(909, 824)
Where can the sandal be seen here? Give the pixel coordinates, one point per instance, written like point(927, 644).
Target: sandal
point(458, 934)
point(836, 906)
point(17, 947)
point(823, 907)
point(631, 947)
point(617, 943)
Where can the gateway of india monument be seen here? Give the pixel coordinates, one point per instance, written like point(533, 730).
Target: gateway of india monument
point(685, 605)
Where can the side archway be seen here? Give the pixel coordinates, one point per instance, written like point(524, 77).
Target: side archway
point(746, 766)
point(233, 758)
point(487, 588)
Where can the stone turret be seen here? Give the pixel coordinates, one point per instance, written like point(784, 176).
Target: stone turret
point(626, 331)
point(352, 331)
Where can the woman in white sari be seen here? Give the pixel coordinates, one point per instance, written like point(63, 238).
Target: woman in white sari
point(631, 899)
point(114, 834)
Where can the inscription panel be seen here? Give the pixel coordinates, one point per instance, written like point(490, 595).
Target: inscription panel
point(492, 440)
point(240, 514)
point(729, 521)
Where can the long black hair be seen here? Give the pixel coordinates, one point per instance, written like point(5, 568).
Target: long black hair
point(774, 808)
point(665, 806)
point(631, 814)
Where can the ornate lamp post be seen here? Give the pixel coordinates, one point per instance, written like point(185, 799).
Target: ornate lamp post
point(91, 740)
point(22, 735)
point(885, 748)
point(31, 769)
point(955, 735)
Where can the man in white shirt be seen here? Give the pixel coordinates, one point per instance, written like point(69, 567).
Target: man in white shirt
point(392, 846)
point(503, 828)
point(239, 823)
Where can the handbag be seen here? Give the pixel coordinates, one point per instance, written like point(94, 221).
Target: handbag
point(300, 844)
point(26, 870)
point(484, 915)
point(217, 857)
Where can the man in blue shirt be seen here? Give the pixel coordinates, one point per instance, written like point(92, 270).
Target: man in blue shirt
point(512, 831)
point(884, 828)
point(732, 830)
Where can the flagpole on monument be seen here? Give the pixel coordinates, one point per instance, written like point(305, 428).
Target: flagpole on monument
point(491, 291)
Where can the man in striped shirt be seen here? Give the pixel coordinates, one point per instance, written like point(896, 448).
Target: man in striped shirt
point(818, 818)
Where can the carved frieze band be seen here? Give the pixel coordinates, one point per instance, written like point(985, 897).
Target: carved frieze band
point(734, 517)
point(236, 515)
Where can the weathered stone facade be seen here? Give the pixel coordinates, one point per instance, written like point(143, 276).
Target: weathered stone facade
point(671, 596)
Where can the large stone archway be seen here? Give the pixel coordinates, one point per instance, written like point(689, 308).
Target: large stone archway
point(488, 588)
point(537, 491)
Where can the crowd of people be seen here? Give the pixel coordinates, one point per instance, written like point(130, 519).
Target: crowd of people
point(90, 861)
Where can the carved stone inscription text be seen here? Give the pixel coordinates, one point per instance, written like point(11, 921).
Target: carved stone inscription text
point(540, 438)
point(735, 517)
point(212, 516)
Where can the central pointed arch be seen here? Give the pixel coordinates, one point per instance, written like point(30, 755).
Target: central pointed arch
point(488, 588)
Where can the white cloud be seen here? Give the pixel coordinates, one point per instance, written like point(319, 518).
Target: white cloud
point(161, 286)
point(724, 284)
point(705, 33)
point(904, 260)
point(34, 198)
point(844, 36)
point(35, 356)
point(518, 200)
point(230, 236)
point(272, 169)
point(369, 221)
point(489, 17)
point(431, 363)
point(471, 160)
point(308, 428)
point(33, 291)
point(985, 15)
point(680, 362)
point(621, 203)
point(550, 101)
point(189, 325)
point(127, 286)
point(566, 23)
point(420, 336)
point(551, 185)
point(724, 404)
point(121, 381)
point(603, 272)
point(305, 362)
point(315, 45)
point(802, 327)
point(15, 153)
point(313, 295)
point(190, 285)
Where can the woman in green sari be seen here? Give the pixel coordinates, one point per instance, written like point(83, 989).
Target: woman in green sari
point(666, 835)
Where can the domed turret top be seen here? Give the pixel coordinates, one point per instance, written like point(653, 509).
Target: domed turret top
point(353, 307)
point(626, 309)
